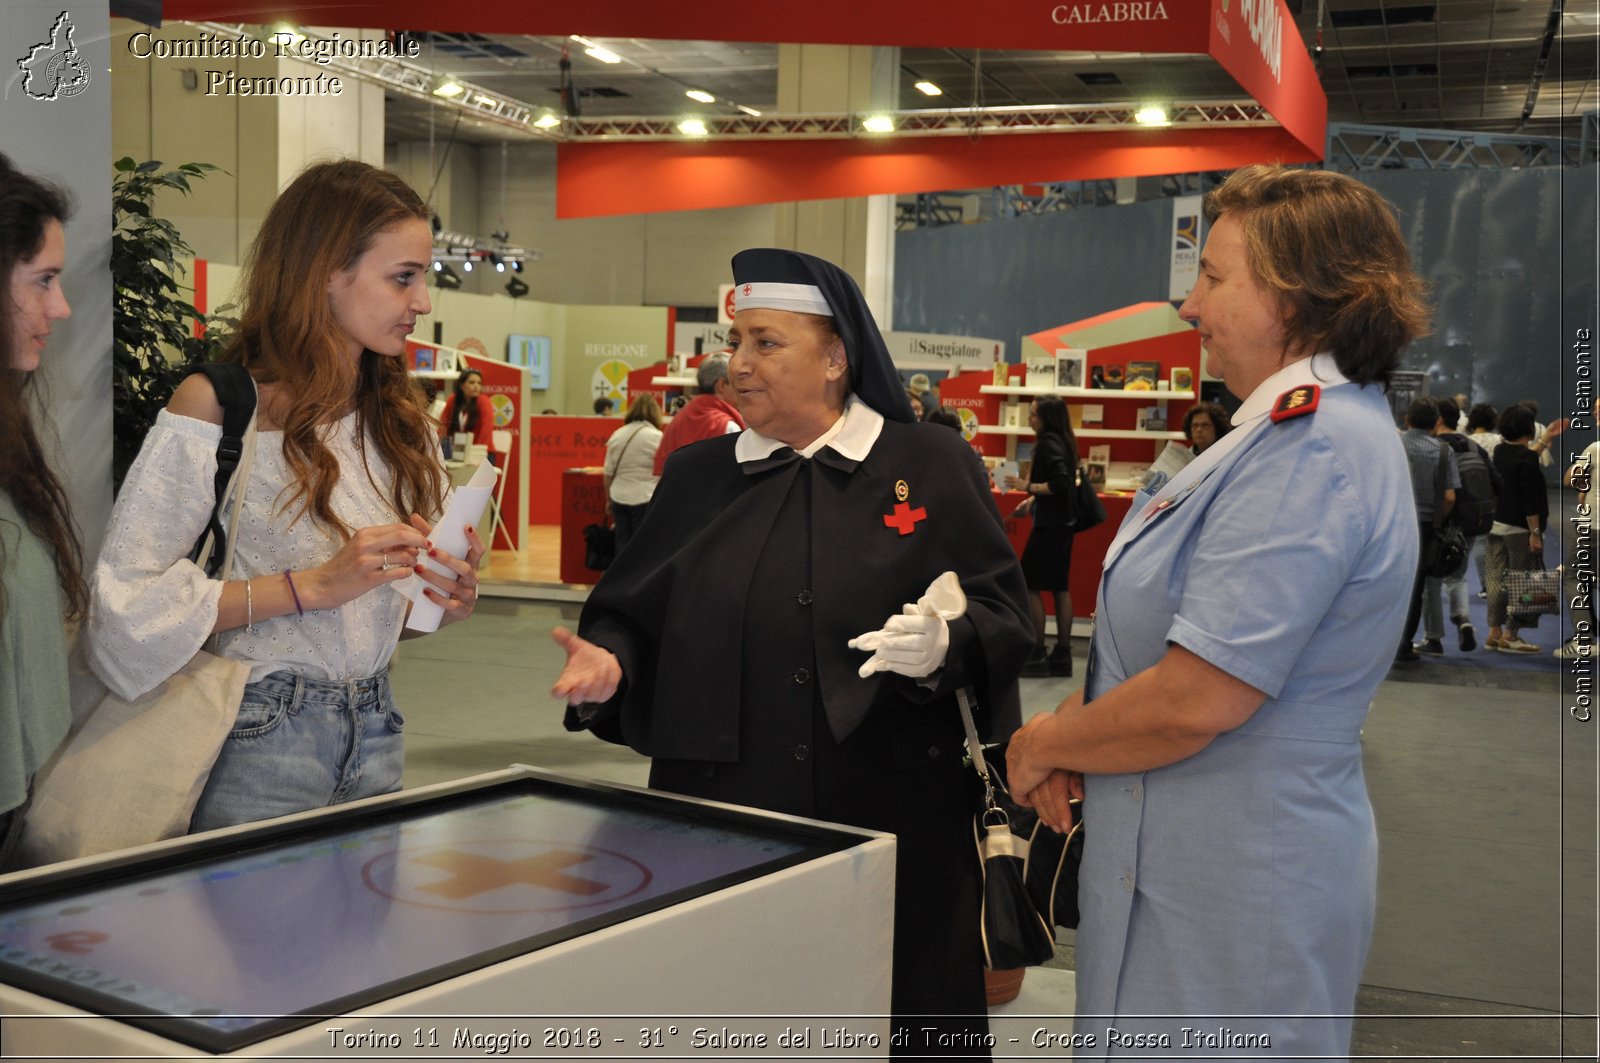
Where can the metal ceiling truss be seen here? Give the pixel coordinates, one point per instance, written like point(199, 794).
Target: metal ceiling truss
point(1353, 148)
point(407, 78)
point(968, 122)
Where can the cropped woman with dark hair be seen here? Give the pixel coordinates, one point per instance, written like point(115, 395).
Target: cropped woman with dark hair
point(338, 504)
point(1047, 557)
point(41, 562)
point(1515, 542)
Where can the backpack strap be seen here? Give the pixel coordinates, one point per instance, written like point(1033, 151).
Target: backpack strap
point(236, 391)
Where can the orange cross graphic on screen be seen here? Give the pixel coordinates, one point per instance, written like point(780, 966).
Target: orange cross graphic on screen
point(475, 874)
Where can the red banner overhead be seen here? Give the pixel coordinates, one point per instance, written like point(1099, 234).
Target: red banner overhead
point(1045, 25)
point(1255, 41)
point(594, 180)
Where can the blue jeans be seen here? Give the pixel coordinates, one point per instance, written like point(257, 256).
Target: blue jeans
point(1454, 587)
point(303, 743)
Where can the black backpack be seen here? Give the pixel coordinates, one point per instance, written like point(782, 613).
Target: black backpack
point(1477, 497)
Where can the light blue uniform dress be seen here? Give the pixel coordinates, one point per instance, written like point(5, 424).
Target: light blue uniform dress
point(1231, 894)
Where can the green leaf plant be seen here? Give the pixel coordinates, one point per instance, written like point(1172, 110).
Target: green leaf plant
point(154, 341)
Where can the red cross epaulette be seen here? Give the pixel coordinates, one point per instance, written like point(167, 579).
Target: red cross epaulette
point(1296, 402)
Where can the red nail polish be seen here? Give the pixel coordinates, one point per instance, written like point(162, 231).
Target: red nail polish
point(432, 552)
point(419, 570)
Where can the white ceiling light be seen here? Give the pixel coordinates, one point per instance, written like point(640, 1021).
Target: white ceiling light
point(700, 96)
point(878, 123)
point(692, 127)
point(597, 51)
point(1151, 114)
point(751, 111)
point(449, 88)
point(548, 120)
point(928, 88)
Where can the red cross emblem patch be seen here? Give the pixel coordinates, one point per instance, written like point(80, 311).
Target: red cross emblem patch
point(747, 291)
point(904, 518)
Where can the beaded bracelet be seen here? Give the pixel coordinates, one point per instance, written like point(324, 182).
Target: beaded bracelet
point(298, 608)
point(249, 609)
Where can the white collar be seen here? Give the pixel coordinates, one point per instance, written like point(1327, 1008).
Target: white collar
point(1318, 369)
point(852, 435)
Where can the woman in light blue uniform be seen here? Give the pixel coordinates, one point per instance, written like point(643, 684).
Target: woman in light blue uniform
point(1244, 623)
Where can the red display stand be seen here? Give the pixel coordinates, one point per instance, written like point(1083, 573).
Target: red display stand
point(557, 444)
point(506, 385)
point(583, 502)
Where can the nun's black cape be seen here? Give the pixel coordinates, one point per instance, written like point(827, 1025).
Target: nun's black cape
point(730, 611)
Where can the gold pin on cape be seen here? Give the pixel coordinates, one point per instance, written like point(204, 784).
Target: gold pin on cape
point(902, 490)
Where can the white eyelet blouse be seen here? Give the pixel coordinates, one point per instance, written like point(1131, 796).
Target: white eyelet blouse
point(152, 608)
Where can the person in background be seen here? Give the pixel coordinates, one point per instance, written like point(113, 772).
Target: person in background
point(1516, 541)
point(1481, 421)
point(337, 507)
point(1542, 442)
point(789, 674)
point(469, 410)
point(1459, 425)
point(630, 461)
point(946, 416)
point(1454, 586)
point(711, 413)
point(1047, 557)
point(41, 561)
point(604, 407)
point(916, 405)
point(1204, 424)
point(1248, 612)
point(1434, 480)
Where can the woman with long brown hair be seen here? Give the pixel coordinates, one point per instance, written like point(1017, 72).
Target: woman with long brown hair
point(338, 502)
point(41, 562)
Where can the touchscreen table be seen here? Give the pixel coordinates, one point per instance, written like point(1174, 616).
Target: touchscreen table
point(223, 948)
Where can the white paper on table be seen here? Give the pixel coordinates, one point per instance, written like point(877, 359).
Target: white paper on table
point(449, 536)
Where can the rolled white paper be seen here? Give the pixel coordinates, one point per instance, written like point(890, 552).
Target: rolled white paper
point(449, 536)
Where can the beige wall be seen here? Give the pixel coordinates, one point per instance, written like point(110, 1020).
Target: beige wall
point(260, 142)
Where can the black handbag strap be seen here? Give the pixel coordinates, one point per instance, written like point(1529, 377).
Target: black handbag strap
point(236, 391)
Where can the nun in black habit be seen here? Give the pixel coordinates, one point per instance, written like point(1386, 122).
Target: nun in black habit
point(753, 637)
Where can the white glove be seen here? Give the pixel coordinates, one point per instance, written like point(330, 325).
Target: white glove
point(915, 642)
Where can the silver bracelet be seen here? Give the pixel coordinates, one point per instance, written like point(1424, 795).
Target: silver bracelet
point(249, 609)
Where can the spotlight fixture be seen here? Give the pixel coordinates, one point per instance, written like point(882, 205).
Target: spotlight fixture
point(878, 123)
point(445, 277)
point(928, 88)
point(1151, 114)
point(700, 96)
point(516, 287)
point(751, 111)
point(437, 266)
point(692, 127)
point(516, 265)
point(449, 88)
point(548, 120)
point(499, 263)
point(284, 29)
point(467, 265)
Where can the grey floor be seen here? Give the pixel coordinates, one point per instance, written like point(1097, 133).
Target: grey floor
point(1483, 785)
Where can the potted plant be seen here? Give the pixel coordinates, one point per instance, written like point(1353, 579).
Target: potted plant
point(157, 336)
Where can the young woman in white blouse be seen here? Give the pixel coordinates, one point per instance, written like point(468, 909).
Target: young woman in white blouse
point(338, 502)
